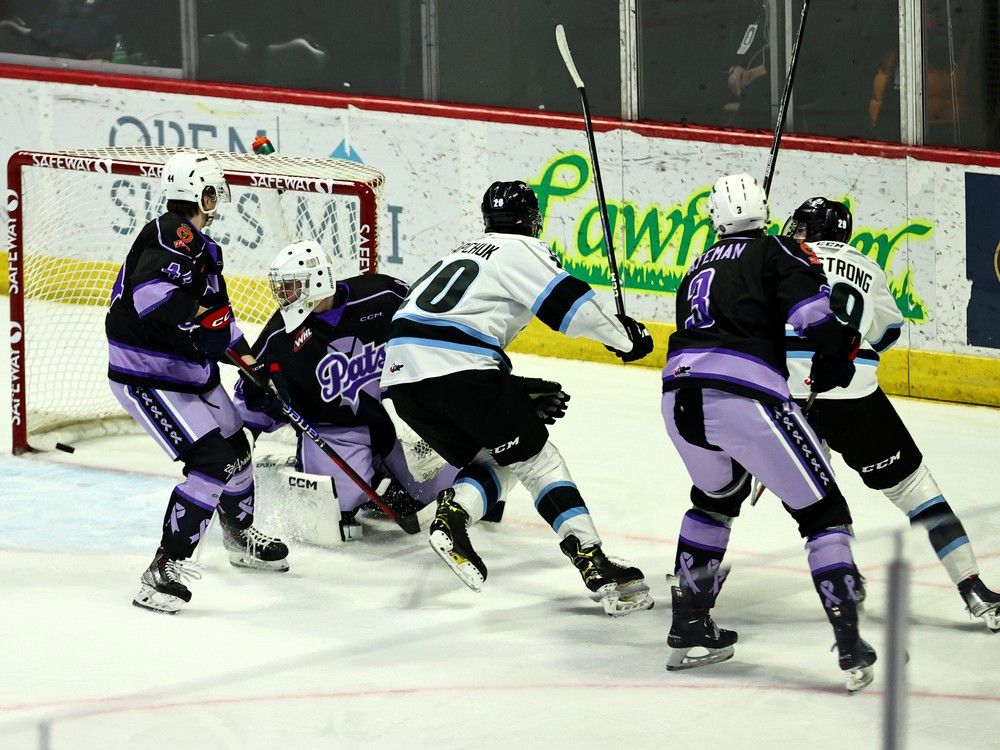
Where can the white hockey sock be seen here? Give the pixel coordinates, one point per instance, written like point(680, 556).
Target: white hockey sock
point(557, 499)
point(481, 484)
point(920, 498)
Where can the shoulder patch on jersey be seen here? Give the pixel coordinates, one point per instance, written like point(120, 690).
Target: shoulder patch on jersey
point(184, 237)
point(810, 254)
point(301, 337)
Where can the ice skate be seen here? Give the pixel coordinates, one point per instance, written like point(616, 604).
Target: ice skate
point(449, 537)
point(693, 628)
point(618, 586)
point(857, 662)
point(163, 588)
point(855, 656)
point(249, 548)
point(981, 602)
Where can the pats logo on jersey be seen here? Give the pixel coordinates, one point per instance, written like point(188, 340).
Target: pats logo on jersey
point(344, 376)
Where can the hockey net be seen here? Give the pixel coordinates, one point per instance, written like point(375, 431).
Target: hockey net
point(72, 217)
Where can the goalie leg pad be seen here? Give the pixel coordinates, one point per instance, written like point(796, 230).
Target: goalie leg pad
point(302, 505)
point(353, 444)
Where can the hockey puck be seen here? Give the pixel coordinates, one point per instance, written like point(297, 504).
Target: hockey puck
point(65, 448)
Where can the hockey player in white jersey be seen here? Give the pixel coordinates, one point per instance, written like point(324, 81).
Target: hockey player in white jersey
point(450, 380)
point(858, 421)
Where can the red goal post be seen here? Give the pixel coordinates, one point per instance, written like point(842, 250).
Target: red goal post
point(73, 215)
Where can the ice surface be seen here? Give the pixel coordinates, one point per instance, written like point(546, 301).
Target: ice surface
point(376, 644)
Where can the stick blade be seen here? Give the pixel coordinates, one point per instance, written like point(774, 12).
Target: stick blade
point(567, 57)
point(409, 524)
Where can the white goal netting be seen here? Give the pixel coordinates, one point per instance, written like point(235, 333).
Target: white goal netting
point(74, 215)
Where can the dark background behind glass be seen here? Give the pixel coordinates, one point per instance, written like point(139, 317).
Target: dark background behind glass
point(349, 46)
point(150, 30)
point(687, 50)
point(503, 54)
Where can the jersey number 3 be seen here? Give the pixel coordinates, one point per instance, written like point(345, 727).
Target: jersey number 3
point(697, 295)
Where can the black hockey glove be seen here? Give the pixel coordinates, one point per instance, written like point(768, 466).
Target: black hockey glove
point(265, 389)
point(548, 398)
point(837, 369)
point(642, 341)
point(211, 334)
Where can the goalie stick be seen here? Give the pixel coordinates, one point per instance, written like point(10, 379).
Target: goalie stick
point(409, 524)
point(786, 95)
point(616, 284)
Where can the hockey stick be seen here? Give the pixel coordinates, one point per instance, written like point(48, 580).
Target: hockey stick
point(616, 284)
point(409, 524)
point(786, 95)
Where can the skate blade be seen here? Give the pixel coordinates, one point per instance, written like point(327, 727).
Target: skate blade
point(623, 599)
point(680, 658)
point(241, 560)
point(464, 569)
point(156, 601)
point(991, 619)
point(859, 678)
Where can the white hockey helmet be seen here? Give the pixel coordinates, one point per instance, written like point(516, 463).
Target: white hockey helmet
point(190, 176)
point(737, 204)
point(301, 276)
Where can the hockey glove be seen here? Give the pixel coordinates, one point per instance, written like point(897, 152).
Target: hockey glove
point(548, 398)
point(642, 341)
point(837, 369)
point(211, 334)
point(265, 389)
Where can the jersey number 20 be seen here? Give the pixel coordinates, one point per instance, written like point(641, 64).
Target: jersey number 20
point(448, 286)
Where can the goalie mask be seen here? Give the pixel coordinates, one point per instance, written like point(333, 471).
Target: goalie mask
point(301, 276)
point(737, 204)
point(820, 219)
point(193, 177)
point(511, 207)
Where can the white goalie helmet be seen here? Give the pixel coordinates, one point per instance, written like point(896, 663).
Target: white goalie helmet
point(190, 176)
point(737, 204)
point(301, 276)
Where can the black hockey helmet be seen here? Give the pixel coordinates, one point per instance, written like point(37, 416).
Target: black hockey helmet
point(822, 219)
point(511, 207)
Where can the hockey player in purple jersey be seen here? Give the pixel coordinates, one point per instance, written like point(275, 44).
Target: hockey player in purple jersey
point(858, 421)
point(728, 412)
point(170, 321)
point(325, 348)
point(448, 374)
